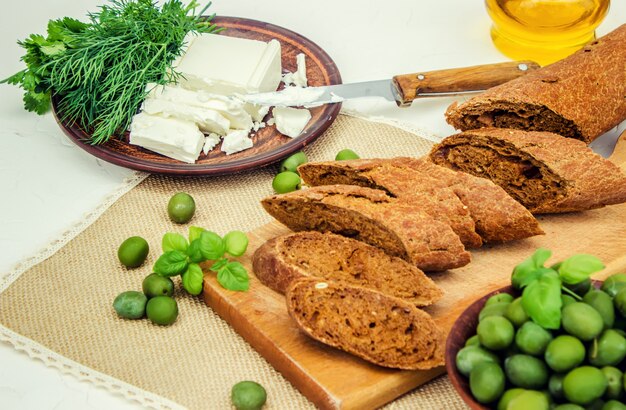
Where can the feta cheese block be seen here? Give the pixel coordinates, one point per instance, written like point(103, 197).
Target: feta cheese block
point(229, 65)
point(174, 138)
point(210, 142)
point(236, 141)
point(207, 120)
point(233, 110)
point(291, 121)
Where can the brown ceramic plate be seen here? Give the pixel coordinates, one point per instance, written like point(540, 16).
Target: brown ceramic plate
point(269, 144)
point(464, 328)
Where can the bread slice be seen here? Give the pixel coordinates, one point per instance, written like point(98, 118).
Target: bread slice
point(497, 217)
point(371, 216)
point(581, 96)
point(545, 172)
point(379, 328)
point(332, 257)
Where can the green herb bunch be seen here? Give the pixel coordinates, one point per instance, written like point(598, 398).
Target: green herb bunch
point(183, 257)
point(541, 297)
point(99, 70)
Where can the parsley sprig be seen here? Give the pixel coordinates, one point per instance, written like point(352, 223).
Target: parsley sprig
point(99, 70)
point(183, 257)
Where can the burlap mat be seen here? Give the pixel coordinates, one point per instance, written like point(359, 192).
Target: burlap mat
point(60, 310)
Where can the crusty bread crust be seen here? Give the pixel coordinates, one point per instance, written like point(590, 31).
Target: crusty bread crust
point(381, 329)
point(497, 217)
point(581, 96)
point(370, 215)
point(331, 257)
point(546, 172)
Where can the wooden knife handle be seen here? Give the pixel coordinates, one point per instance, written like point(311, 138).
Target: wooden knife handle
point(457, 80)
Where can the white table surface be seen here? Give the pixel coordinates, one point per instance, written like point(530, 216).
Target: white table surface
point(47, 183)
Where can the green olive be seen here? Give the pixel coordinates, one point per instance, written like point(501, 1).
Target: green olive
point(133, 252)
point(487, 382)
point(614, 405)
point(609, 350)
point(181, 207)
point(516, 313)
point(568, 406)
point(494, 309)
point(614, 283)
point(529, 399)
point(602, 302)
point(614, 377)
point(248, 395)
point(236, 243)
point(584, 384)
point(286, 182)
point(507, 396)
point(620, 301)
point(292, 162)
point(499, 298)
point(130, 304)
point(564, 353)
point(532, 339)
point(495, 332)
point(567, 300)
point(470, 356)
point(526, 371)
point(582, 320)
point(162, 310)
point(555, 385)
point(345, 154)
point(157, 285)
point(472, 341)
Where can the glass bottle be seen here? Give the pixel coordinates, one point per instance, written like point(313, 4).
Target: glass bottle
point(544, 30)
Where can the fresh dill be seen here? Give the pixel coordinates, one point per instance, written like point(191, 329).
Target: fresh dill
point(98, 71)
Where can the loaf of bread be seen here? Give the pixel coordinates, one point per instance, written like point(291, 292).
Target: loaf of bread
point(332, 257)
point(497, 217)
point(371, 216)
point(379, 328)
point(545, 172)
point(581, 96)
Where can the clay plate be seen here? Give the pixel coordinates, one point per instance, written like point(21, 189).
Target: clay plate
point(269, 144)
point(465, 327)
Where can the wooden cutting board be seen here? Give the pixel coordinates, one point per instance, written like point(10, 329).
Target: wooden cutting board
point(336, 380)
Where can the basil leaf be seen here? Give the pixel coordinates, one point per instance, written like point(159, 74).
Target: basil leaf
point(174, 242)
point(233, 276)
point(195, 232)
point(541, 299)
point(170, 263)
point(526, 272)
point(218, 264)
point(193, 251)
point(211, 245)
point(192, 279)
point(579, 267)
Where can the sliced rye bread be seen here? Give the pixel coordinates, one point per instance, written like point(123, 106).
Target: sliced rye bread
point(581, 96)
point(545, 172)
point(381, 329)
point(496, 215)
point(332, 257)
point(371, 216)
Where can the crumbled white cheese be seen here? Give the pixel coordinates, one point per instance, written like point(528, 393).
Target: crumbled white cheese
point(210, 141)
point(174, 138)
point(236, 141)
point(271, 121)
point(228, 65)
point(258, 125)
point(257, 112)
point(207, 120)
point(291, 121)
point(299, 77)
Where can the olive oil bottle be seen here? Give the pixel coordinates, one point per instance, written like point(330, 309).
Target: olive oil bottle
point(544, 30)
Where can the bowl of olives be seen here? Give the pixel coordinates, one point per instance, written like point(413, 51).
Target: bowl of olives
point(551, 340)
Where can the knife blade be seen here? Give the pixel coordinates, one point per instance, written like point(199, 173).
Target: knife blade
point(402, 89)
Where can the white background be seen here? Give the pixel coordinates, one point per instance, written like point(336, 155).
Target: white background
point(47, 184)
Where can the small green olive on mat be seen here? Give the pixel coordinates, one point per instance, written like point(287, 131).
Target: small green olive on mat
point(286, 181)
point(130, 304)
point(292, 162)
point(181, 207)
point(162, 310)
point(133, 252)
point(248, 395)
point(157, 285)
point(345, 154)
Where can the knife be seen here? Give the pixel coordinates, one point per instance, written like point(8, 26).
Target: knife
point(402, 89)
